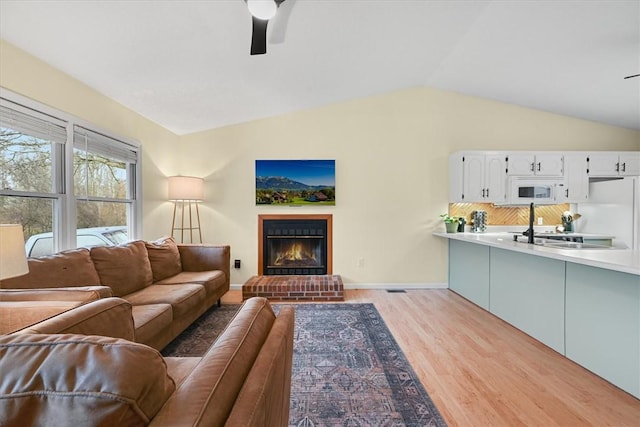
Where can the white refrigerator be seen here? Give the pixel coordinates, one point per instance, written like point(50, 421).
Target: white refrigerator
point(613, 208)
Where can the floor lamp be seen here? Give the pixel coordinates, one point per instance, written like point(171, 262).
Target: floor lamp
point(13, 258)
point(186, 191)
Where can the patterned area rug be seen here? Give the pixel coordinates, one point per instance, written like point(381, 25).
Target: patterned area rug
point(347, 368)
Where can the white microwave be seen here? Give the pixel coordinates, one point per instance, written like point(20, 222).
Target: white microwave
point(541, 191)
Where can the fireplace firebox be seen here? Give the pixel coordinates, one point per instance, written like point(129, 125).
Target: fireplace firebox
point(294, 245)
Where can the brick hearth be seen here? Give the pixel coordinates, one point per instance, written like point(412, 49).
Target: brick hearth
point(295, 288)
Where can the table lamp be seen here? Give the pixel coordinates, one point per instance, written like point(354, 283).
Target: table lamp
point(13, 258)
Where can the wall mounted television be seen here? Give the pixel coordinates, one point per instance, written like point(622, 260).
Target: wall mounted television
point(296, 182)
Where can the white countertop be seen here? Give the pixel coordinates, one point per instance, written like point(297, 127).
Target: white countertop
point(623, 260)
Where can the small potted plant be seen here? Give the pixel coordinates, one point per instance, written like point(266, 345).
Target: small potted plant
point(450, 222)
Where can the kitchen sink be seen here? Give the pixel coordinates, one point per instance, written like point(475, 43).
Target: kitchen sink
point(561, 244)
point(573, 245)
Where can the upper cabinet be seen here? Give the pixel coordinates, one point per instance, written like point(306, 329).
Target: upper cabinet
point(484, 176)
point(576, 180)
point(477, 178)
point(535, 164)
point(614, 163)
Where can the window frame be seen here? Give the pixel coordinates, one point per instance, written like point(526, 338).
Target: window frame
point(64, 221)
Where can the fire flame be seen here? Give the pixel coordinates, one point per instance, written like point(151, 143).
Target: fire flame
point(295, 252)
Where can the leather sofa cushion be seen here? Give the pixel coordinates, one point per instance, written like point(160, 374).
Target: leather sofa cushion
point(67, 268)
point(77, 379)
point(211, 280)
point(150, 320)
point(183, 298)
point(164, 258)
point(125, 269)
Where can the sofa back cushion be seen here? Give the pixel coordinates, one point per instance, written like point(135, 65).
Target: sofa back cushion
point(125, 269)
point(67, 268)
point(82, 380)
point(164, 258)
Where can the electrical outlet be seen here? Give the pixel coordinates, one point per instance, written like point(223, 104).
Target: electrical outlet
point(360, 262)
point(236, 263)
point(540, 220)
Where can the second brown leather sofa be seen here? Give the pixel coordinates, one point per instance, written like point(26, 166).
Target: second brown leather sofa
point(169, 285)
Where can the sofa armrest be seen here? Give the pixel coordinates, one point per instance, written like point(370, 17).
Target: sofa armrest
point(75, 293)
point(265, 396)
point(208, 393)
point(110, 317)
point(16, 315)
point(205, 258)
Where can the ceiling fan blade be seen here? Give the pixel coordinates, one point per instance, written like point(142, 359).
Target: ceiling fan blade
point(281, 21)
point(632, 76)
point(258, 36)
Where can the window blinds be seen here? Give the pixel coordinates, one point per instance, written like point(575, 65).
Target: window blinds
point(33, 123)
point(96, 143)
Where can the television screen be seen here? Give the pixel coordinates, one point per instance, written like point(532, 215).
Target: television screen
point(296, 182)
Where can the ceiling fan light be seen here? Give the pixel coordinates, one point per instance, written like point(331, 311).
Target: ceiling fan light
point(262, 9)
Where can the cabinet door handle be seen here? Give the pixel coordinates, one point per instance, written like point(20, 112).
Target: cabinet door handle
point(487, 192)
point(566, 193)
point(538, 166)
point(483, 193)
point(617, 167)
point(624, 167)
point(533, 167)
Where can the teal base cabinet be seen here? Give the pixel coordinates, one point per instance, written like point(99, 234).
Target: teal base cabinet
point(469, 271)
point(603, 324)
point(528, 292)
point(590, 315)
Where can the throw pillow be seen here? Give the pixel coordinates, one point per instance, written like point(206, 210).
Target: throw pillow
point(125, 269)
point(164, 258)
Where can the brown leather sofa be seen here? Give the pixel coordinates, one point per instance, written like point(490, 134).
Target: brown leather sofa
point(169, 285)
point(71, 378)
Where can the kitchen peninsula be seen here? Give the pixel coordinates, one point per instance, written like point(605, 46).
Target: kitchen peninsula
point(583, 303)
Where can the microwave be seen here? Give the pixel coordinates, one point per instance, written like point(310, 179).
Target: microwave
point(541, 191)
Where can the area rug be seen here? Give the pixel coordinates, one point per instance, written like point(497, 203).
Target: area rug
point(348, 369)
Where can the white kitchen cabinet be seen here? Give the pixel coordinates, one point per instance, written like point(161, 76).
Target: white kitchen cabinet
point(575, 187)
point(603, 324)
point(469, 271)
point(479, 177)
point(611, 164)
point(528, 292)
point(535, 164)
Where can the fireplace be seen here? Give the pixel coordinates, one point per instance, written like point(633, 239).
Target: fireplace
point(294, 244)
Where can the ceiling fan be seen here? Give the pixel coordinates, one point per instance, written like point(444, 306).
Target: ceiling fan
point(263, 12)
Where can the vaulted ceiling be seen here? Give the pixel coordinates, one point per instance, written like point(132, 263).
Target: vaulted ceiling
point(186, 65)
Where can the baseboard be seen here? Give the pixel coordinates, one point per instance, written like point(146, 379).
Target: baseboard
point(381, 286)
point(384, 286)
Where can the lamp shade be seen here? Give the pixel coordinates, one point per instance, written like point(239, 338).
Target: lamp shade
point(186, 188)
point(262, 9)
point(13, 258)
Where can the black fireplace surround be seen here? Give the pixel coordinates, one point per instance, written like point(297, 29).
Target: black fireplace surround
point(294, 246)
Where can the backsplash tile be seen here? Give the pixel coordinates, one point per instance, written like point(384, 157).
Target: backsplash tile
point(509, 215)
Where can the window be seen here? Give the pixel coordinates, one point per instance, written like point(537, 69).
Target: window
point(59, 174)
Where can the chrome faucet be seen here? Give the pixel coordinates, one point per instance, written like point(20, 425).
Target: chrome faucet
point(529, 233)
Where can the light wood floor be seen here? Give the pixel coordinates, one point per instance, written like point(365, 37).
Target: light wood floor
point(480, 371)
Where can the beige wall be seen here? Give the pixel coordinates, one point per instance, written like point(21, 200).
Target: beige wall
point(30, 77)
point(391, 155)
